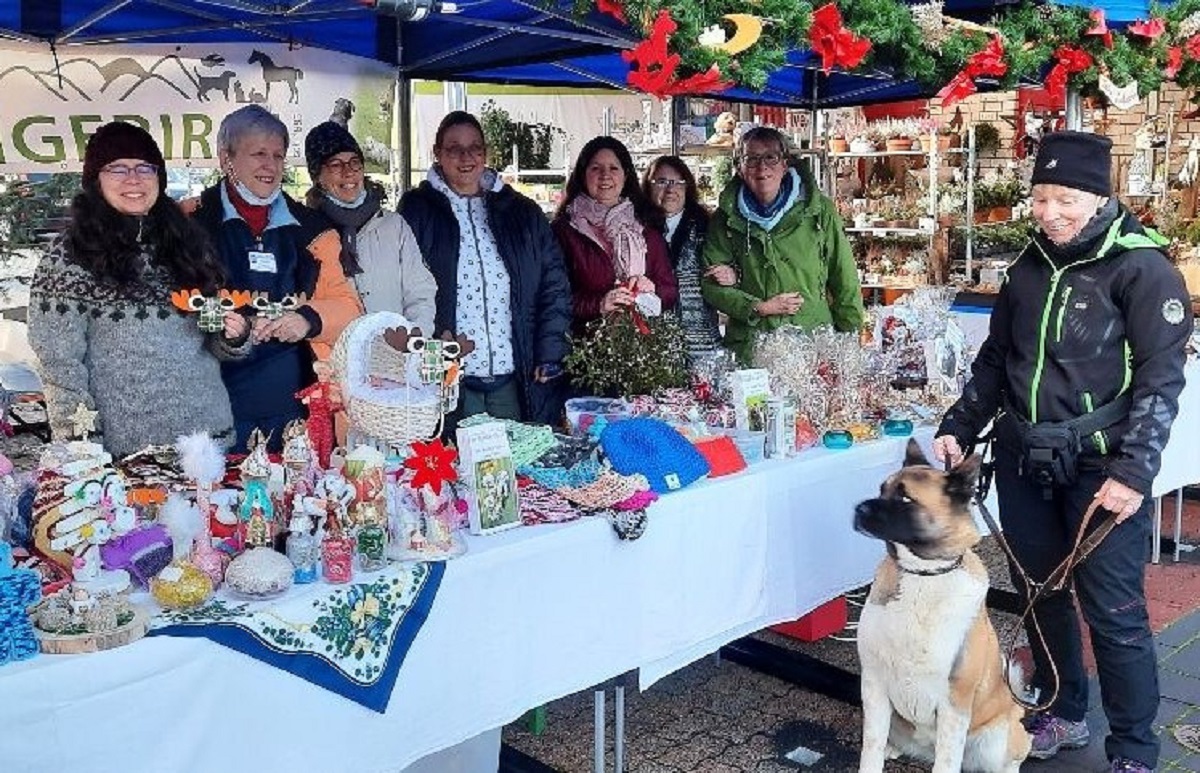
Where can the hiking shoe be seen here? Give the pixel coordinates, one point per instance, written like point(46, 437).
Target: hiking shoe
point(1051, 733)
point(1122, 765)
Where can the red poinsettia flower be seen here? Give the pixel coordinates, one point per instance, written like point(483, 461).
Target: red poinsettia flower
point(652, 68)
point(1100, 27)
point(433, 464)
point(836, 45)
point(1151, 30)
point(613, 8)
point(1174, 61)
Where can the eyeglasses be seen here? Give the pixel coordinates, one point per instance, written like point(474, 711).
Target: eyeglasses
point(766, 159)
point(464, 151)
point(338, 167)
point(122, 172)
point(667, 182)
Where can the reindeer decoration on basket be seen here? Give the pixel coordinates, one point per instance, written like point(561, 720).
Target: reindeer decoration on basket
point(212, 308)
point(432, 360)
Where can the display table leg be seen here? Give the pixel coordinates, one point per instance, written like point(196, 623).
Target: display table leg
point(598, 733)
point(619, 731)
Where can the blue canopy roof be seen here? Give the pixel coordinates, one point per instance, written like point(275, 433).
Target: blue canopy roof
point(487, 33)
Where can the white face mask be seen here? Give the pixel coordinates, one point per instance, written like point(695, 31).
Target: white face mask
point(251, 198)
point(358, 200)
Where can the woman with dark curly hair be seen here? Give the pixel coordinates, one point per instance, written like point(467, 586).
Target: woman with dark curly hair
point(101, 319)
point(611, 235)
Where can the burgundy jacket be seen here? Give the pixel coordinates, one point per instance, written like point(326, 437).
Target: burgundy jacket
point(592, 273)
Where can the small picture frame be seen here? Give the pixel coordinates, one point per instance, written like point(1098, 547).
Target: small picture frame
point(490, 478)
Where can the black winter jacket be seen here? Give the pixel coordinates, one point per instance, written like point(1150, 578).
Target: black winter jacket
point(540, 290)
point(1071, 333)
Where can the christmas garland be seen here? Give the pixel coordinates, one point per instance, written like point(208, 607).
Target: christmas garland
point(706, 46)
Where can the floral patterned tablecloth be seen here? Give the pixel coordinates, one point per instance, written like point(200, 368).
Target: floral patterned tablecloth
point(351, 639)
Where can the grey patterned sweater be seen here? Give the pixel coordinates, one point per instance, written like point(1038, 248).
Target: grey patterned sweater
point(126, 352)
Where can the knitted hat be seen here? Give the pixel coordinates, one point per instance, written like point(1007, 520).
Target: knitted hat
point(1078, 160)
point(324, 142)
point(653, 448)
point(117, 140)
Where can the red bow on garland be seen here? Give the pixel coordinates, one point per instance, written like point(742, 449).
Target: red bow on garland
point(987, 61)
point(1192, 47)
point(1151, 30)
point(1174, 62)
point(835, 44)
point(652, 69)
point(433, 464)
point(613, 8)
point(1070, 60)
point(1100, 27)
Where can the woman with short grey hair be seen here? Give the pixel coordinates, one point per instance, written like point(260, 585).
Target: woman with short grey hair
point(786, 241)
point(278, 249)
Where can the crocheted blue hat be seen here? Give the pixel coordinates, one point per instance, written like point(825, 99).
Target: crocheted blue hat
point(653, 448)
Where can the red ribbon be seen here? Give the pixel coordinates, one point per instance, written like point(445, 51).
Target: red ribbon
point(639, 319)
point(652, 68)
point(989, 60)
point(836, 45)
point(1070, 60)
point(613, 8)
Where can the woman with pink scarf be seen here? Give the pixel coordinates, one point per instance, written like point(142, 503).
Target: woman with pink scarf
point(611, 235)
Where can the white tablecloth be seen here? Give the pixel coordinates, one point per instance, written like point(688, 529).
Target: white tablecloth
point(527, 616)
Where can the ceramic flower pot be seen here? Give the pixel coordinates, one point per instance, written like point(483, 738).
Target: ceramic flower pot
point(838, 145)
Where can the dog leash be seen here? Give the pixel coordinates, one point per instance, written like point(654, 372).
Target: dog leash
point(1035, 591)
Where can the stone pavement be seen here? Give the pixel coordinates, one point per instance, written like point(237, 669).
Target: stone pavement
point(717, 716)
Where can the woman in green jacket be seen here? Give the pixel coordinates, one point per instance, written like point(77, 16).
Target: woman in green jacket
point(787, 243)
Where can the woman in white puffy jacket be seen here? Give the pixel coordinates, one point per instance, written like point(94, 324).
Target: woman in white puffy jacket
point(379, 252)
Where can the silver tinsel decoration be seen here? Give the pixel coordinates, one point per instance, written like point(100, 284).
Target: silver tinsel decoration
point(929, 18)
point(1190, 26)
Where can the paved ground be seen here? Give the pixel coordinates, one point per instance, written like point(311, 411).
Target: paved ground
point(717, 716)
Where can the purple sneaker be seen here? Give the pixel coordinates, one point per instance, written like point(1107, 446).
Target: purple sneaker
point(1051, 734)
point(1122, 765)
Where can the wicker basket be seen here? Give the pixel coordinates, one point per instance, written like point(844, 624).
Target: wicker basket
point(379, 400)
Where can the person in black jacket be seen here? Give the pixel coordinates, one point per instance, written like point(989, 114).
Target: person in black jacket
point(500, 277)
point(1084, 359)
point(282, 251)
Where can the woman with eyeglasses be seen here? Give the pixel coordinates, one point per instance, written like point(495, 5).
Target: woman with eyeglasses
point(379, 252)
point(670, 184)
point(500, 279)
point(289, 257)
point(787, 243)
point(101, 319)
point(611, 235)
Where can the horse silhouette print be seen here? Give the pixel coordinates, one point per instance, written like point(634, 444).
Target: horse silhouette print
point(273, 73)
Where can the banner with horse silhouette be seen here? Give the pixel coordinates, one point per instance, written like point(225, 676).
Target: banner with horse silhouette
point(54, 101)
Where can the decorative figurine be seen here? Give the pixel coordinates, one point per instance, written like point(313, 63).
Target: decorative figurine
point(322, 401)
point(202, 461)
point(257, 515)
point(370, 538)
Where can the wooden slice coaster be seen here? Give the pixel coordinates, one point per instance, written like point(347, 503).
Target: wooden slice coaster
point(74, 644)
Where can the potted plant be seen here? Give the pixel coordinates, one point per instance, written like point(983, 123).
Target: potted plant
point(897, 135)
point(987, 138)
point(927, 129)
point(948, 138)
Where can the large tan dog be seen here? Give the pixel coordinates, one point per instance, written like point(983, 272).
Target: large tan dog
point(933, 682)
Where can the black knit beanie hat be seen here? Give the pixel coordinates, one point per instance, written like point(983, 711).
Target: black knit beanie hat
point(117, 140)
point(1076, 160)
point(324, 142)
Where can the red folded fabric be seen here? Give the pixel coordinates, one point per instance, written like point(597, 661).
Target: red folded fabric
point(722, 455)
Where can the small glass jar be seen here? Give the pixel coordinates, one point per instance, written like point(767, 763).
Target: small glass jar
point(303, 552)
point(337, 559)
point(837, 439)
point(372, 547)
